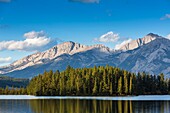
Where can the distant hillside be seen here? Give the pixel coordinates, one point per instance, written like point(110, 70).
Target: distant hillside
point(12, 82)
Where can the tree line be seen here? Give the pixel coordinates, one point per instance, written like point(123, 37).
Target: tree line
point(96, 81)
point(13, 82)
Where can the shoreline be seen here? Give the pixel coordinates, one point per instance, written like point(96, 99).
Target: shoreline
point(134, 98)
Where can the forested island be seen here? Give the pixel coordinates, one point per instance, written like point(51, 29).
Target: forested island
point(96, 81)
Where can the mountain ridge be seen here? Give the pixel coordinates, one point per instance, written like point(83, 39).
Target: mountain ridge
point(152, 57)
point(139, 42)
point(43, 57)
point(150, 60)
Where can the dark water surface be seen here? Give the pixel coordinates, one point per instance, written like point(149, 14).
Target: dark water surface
point(83, 106)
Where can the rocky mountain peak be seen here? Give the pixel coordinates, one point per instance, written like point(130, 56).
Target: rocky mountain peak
point(139, 42)
point(39, 58)
point(73, 47)
point(69, 48)
point(153, 35)
point(151, 56)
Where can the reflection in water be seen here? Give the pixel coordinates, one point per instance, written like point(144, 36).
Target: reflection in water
point(83, 106)
point(14, 106)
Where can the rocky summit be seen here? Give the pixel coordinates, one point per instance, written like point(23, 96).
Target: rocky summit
point(150, 54)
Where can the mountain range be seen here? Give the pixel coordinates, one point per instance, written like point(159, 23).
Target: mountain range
point(150, 54)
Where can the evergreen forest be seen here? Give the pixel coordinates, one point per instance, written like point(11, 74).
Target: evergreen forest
point(96, 81)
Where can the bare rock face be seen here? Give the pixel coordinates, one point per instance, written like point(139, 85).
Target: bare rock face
point(69, 48)
point(153, 58)
point(150, 54)
point(139, 42)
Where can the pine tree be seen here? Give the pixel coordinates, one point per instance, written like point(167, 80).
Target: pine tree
point(93, 81)
point(95, 87)
point(119, 89)
point(111, 88)
point(130, 85)
point(125, 82)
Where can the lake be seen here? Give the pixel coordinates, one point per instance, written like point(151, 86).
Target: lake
point(31, 104)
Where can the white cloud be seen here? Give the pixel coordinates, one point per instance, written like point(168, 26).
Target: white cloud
point(108, 37)
point(167, 16)
point(85, 1)
point(118, 46)
point(33, 34)
point(168, 37)
point(5, 60)
point(34, 41)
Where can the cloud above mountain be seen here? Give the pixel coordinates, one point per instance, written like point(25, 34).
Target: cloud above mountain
point(166, 16)
point(33, 34)
point(34, 41)
point(5, 60)
point(85, 1)
point(108, 37)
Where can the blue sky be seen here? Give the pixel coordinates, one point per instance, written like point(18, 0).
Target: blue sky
point(82, 21)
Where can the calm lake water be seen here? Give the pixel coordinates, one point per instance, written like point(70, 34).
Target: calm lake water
point(83, 106)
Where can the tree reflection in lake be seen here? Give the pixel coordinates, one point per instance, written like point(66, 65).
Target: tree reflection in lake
point(98, 106)
point(83, 106)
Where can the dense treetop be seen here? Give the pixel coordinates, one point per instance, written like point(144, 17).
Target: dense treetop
point(96, 81)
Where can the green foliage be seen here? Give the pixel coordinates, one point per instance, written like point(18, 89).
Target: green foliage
point(12, 82)
point(96, 81)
